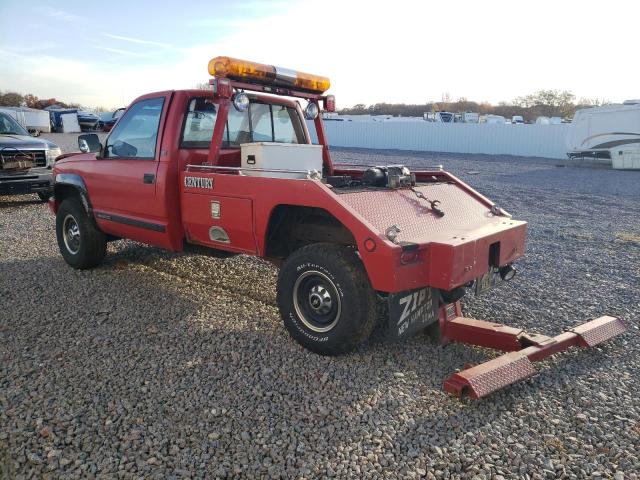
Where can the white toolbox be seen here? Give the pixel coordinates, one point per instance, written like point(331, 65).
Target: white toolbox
point(265, 156)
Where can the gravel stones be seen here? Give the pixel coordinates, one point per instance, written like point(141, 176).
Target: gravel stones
point(160, 365)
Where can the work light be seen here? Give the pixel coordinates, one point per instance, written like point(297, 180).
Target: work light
point(241, 101)
point(311, 111)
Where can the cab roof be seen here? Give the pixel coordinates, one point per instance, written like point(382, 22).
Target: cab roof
point(266, 98)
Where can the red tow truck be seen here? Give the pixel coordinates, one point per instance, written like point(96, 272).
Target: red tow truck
point(234, 169)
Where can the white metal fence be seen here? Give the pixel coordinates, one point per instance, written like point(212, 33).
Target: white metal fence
point(523, 140)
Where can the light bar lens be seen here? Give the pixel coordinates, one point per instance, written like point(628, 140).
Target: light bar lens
point(243, 70)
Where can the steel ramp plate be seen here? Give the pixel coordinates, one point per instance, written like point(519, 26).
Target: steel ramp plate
point(512, 367)
point(599, 330)
point(490, 376)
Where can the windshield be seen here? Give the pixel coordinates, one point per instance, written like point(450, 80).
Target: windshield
point(8, 126)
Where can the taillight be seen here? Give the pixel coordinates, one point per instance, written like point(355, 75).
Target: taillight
point(330, 103)
point(222, 87)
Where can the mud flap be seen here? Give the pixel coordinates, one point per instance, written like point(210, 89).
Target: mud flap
point(411, 311)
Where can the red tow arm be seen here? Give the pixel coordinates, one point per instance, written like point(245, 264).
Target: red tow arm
point(523, 349)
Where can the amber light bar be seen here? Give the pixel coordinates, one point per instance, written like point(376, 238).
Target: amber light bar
point(243, 70)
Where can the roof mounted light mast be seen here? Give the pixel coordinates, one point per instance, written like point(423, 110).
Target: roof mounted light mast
point(233, 74)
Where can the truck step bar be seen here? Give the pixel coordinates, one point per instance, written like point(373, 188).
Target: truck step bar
point(523, 349)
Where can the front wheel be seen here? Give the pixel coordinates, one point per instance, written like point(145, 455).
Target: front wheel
point(81, 244)
point(325, 298)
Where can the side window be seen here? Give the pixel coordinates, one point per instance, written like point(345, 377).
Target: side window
point(136, 133)
point(261, 122)
point(198, 124)
point(286, 125)
point(238, 130)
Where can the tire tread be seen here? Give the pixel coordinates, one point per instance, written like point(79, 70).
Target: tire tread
point(346, 259)
point(93, 241)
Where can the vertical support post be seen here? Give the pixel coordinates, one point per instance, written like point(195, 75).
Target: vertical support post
point(322, 140)
point(448, 312)
point(218, 131)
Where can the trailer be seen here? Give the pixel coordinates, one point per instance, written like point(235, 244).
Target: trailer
point(601, 133)
point(34, 121)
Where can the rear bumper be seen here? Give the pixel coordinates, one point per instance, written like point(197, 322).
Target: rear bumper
point(448, 263)
point(36, 180)
point(460, 260)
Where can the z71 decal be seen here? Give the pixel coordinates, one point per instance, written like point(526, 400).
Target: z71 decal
point(411, 311)
point(198, 182)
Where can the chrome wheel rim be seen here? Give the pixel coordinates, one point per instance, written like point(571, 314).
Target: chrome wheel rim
point(71, 234)
point(316, 301)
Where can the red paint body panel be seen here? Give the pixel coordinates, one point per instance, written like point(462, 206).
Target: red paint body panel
point(236, 218)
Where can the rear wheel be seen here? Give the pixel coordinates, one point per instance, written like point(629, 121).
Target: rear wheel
point(325, 298)
point(81, 244)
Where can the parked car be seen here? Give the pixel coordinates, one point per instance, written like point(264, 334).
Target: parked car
point(25, 162)
point(109, 122)
point(87, 120)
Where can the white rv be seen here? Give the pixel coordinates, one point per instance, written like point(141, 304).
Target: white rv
point(35, 121)
point(598, 132)
point(494, 119)
point(471, 117)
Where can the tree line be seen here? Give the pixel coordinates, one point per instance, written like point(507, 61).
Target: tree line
point(548, 103)
point(13, 99)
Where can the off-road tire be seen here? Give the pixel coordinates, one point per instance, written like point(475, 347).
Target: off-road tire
point(341, 271)
point(44, 196)
point(92, 243)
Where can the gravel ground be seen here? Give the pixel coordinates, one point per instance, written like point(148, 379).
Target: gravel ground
point(160, 365)
point(68, 142)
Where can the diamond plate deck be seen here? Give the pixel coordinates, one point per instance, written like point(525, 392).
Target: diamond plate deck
point(490, 376)
point(383, 208)
point(599, 330)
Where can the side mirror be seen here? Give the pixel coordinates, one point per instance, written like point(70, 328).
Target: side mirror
point(89, 143)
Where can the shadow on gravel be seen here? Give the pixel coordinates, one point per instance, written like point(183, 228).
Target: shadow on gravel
point(5, 203)
point(118, 361)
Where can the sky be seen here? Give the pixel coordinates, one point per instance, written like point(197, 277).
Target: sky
point(403, 51)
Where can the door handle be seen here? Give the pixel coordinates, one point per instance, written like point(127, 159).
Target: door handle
point(149, 178)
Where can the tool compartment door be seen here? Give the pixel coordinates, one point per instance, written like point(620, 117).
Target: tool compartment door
point(217, 221)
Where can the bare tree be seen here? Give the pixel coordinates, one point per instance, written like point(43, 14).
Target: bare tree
point(11, 99)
